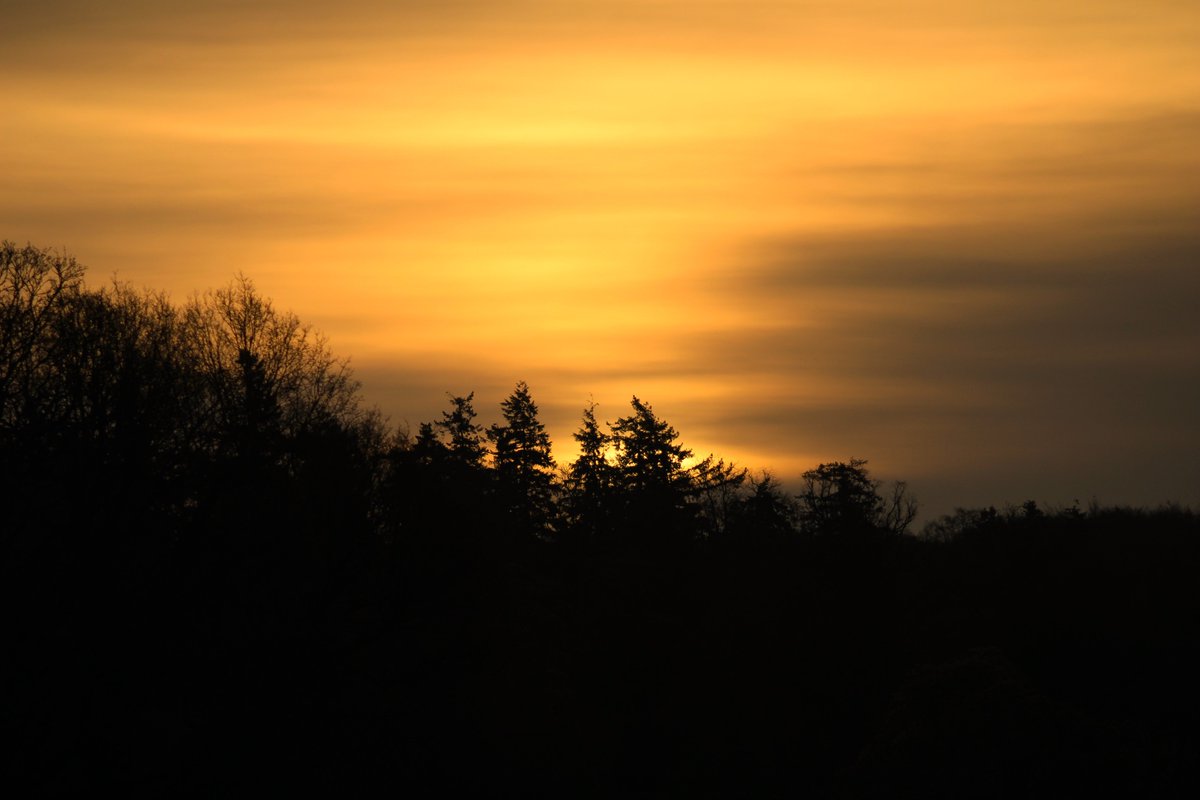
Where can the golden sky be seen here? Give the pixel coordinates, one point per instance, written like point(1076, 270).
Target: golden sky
point(959, 239)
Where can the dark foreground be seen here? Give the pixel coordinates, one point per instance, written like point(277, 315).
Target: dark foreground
point(1043, 656)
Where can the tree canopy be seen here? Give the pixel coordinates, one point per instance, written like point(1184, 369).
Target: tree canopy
point(843, 497)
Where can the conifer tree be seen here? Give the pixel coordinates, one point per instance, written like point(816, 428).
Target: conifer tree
point(589, 477)
point(466, 445)
point(522, 459)
point(648, 454)
point(428, 448)
point(653, 491)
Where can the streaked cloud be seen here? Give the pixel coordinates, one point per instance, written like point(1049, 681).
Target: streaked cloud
point(959, 239)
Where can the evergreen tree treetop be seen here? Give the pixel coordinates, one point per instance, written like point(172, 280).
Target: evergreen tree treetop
point(466, 437)
point(647, 449)
point(522, 444)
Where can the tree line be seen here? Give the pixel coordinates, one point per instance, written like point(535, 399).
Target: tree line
point(224, 572)
point(189, 405)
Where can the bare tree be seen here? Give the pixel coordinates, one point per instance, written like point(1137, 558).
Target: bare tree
point(34, 285)
point(245, 347)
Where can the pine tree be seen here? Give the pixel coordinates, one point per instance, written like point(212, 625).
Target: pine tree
point(428, 448)
point(653, 492)
point(589, 478)
point(648, 455)
point(466, 447)
point(522, 459)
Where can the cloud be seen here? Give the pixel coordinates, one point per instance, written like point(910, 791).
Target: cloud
point(914, 233)
point(1062, 345)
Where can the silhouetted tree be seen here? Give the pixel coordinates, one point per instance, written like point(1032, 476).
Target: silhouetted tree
point(652, 486)
point(34, 286)
point(256, 419)
point(428, 447)
point(274, 411)
point(716, 490)
point(648, 455)
point(766, 512)
point(234, 334)
point(589, 478)
point(128, 394)
point(842, 497)
point(95, 392)
point(447, 492)
point(466, 446)
point(522, 460)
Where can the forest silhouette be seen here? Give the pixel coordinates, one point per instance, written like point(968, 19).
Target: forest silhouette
point(226, 574)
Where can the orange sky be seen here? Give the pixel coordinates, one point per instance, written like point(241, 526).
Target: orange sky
point(961, 240)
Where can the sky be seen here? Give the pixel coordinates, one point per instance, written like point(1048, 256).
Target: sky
point(958, 239)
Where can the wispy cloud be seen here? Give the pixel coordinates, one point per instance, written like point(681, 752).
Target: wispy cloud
point(957, 239)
